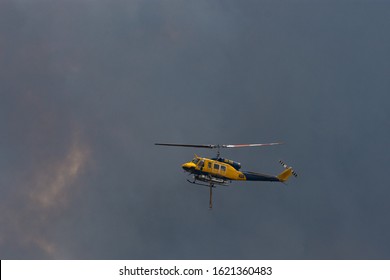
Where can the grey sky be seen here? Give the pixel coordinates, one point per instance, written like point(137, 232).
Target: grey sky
point(87, 87)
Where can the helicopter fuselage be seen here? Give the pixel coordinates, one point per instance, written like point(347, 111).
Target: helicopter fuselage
point(221, 171)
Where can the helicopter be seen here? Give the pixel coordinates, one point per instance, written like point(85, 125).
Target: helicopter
point(221, 171)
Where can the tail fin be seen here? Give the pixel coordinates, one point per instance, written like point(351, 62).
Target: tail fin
point(283, 177)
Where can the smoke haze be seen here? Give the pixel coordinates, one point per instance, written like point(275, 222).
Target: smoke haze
point(87, 88)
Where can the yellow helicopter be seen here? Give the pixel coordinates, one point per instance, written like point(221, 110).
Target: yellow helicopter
point(221, 171)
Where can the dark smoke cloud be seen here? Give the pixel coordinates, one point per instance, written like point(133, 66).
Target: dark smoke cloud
point(87, 87)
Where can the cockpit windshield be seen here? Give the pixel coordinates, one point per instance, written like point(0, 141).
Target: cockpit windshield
point(195, 160)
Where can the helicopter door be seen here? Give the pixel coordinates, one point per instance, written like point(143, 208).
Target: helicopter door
point(201, 164)
point(223, 169)
point(216, 168)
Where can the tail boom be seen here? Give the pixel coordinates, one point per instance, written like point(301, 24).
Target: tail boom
point(253, 176)
point(282, 177)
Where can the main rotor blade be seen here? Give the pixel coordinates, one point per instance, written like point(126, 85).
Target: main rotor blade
point(186, 145)
point(248, 145)
point(210, 146)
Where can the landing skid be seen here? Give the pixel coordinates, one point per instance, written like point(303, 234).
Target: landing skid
point(195, 182)
point(209, 180)
point(200, 184)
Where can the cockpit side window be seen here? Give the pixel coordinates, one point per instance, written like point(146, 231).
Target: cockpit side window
point(195, 160)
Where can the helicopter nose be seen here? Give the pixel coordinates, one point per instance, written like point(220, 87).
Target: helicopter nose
point(188, 166)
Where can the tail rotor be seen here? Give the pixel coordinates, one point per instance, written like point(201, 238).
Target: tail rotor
point(288, 167)
point(288, 171)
